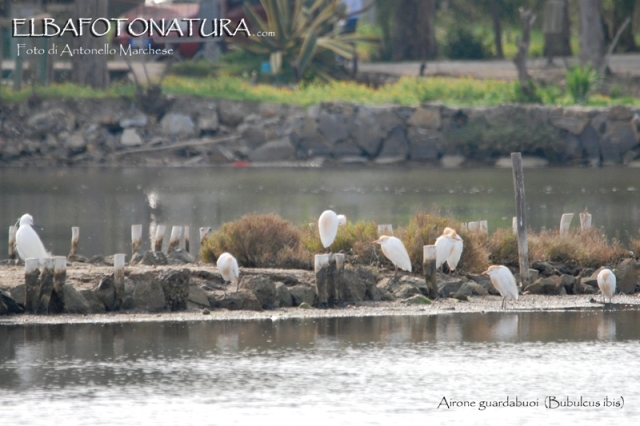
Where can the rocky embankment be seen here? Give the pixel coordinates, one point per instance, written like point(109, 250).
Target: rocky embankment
point(194, 131)
point(153, 286)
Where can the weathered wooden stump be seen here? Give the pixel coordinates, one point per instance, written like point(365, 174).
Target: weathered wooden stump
point(429, 268)
point(46, 285)
point(186, 239)
point(385, 229)
point(329, 270)
point(157, 242)
point(56, 301)
point(565, 223)
point(136, 238)
point(585, 220)
point(12, 242)
point(75, 237)
point(31, 274)
point(174, 240)
point(118, 278)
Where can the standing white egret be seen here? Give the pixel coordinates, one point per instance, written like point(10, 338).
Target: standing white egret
point(28, 242)
point(504, 281)
point(394, 250)
point(328, 226)
point(228, 268)
point(607, 283)
point(448, 248)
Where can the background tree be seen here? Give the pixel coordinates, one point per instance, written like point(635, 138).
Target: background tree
point(414, 30)
point(90, 69)
point(623, 9)
point(591, 33)
point(556, 27)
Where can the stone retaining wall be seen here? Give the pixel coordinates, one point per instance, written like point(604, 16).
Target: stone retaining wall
point(115, 132)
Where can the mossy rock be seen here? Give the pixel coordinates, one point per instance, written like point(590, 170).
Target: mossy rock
point(418, 299)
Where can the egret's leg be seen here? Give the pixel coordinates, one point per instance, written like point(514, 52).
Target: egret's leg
point(237, 285)
point(395, 274)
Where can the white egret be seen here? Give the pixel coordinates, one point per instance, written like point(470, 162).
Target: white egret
point(504, 281)
point(228, 268)
point(394, 250)
point(28, 242)
point(607, 283)
point(328, 226)
point(448, 249)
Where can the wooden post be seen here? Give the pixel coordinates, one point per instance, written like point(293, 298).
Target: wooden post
point(514, 224)
point(75, 236)
point(56, 302)
point(59, 273)
point(385, 229)
point(204, 233)
point(46, 285)
point(157, 242)
point(521, 208)
point(338, 295)
point(118, 278)
point(12, 242)
point(464, 227)
point(565, 222)
point(324, 268)
point(484, 226)
point(31, 274)
point(136, 238)
point(186, 239)
point(473, 226)
point(585, 220)
point(174, 240)
point(429, 268)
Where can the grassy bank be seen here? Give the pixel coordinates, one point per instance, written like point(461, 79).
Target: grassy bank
point(269, 241)
point(407, 91)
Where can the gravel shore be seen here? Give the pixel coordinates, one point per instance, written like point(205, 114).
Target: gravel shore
point(526, 303)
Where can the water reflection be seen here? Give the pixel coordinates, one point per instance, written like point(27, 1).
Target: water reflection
point(104, 203)
point(350, 370)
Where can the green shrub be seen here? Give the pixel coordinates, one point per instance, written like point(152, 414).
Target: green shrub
point(258, 241)
point(462, 43)
point(580, 81)
point(199, 68)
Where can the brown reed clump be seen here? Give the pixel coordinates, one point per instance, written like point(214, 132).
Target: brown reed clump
point(503, 248)
point(589, 249)
point(354, 239)
point(424, 228)
point(258, 240)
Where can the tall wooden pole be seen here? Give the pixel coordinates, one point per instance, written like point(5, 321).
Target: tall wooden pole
point(523, 247)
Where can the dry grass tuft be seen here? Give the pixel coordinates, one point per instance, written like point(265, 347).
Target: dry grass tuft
point(589, 249)
point(355, 239)
point(257, 241)
point(424, 228)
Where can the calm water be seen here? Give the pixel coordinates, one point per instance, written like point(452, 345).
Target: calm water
point(349, 371)
point(104, 203)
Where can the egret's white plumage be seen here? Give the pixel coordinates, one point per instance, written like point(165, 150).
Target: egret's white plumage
point(328, 226)
point(504, 281)
point(28, 242)
point(228, 268)
point(448, 248)
point(607, 283)
point(394, 250)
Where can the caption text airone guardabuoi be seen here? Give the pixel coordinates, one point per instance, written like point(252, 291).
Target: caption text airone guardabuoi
point(100, 27)
point(550, 402)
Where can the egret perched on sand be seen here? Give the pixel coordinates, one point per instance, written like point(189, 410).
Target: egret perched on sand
point(328, 226)
point(607, 283)
point(504, 281)
point(228, 268)
point(448, 248)
point(394, 250)
point(28, 242)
